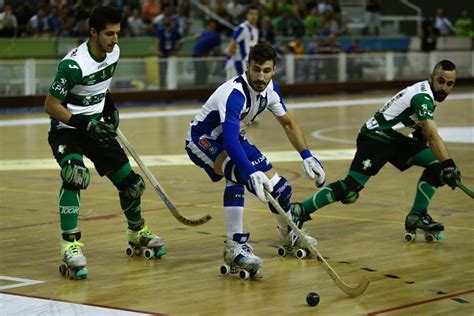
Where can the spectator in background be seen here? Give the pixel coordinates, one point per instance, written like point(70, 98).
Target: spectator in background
point(167, 40)
point(207, 44)
point(463, 25)
point(150, 10)
point(55, 24)
point(38, 24)
point(372, 17)
point(311, 22)
point(135, 23)
point(235, 10)
point(442, 23)
point(429, 37)
point(8, 22)
point(328, 66)
point(267, 33)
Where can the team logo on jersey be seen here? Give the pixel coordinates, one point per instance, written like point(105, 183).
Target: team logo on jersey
point(204, 143)
point(366, 164)
point(61, 149)
point(73, 67)
point(74, 53)
point(87, 100)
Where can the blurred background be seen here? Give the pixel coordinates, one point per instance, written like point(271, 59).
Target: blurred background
point(324, 45)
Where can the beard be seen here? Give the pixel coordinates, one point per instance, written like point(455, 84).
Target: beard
point(439, 95)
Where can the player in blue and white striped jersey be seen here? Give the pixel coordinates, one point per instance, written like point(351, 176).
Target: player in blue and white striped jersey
point(245, 36)
point(216, 142)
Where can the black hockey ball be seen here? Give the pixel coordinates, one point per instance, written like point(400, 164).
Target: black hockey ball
point(312, 299)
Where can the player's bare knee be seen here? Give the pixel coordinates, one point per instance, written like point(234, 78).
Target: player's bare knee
point(432, 175)
point(75, 175)
point(132, 187)
point(347, 190)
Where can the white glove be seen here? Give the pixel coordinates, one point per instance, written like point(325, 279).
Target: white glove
point(258, 182)
point(314, 169)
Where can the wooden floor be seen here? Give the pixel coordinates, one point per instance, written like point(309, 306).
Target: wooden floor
point(363, 239)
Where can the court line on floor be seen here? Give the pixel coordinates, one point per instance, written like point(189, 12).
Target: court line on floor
point(400, 307)
point(19, 282)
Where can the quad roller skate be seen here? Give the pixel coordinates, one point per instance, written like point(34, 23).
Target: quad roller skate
point(74, 261)
point(143, 242)
point(290, 242)
point(239, 258)
point(422, 221)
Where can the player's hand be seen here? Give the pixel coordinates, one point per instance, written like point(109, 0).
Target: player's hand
point(96, 130)
point(315, 170)
point(112, 119)
point(450, 173)
point(258, 183)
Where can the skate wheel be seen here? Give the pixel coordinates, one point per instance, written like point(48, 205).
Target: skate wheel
point(82, 273)
point(129, 252)
point(62, 269)
point(282, 252)
point(244, 274)
point(225, 269)
point(148, 253)
point(440, 236)
point(429, 237)
point(69, 274)
point(300, 253)
point(409, 237)
point(161, 252)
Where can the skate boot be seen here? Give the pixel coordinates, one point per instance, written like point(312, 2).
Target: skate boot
point(239, 258)
point(143, 242)
point(423, 221)
point(74, 261)
point(292, 244)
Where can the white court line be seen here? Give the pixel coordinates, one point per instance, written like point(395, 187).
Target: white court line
point(19, 282)
point(191, 112)
point(15, 305)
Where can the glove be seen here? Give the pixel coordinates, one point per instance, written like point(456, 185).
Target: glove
point(110, 112)
point(258, 183)
point(112, 119)
point(450, 173)
point(313, 168)
point(96, 130)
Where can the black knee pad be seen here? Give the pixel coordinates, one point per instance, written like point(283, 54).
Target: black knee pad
point(432, 175)
point(75, 175)
point(132, 187)
point(347, 190)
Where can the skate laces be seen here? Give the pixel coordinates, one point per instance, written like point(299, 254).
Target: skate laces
point(74, 249)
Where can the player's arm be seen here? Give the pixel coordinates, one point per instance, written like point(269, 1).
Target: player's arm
point(232, 48)
point(436, 143)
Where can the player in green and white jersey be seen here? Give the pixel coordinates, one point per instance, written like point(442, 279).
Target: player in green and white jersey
point(404, 133)
point(84, 121)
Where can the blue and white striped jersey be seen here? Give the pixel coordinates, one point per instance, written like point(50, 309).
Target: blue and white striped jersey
point(246, 36)
point(231, 109)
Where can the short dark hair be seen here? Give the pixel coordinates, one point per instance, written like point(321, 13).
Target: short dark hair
point(252, 7)
point(102, 16)
point(262, 52)
point(444, 65)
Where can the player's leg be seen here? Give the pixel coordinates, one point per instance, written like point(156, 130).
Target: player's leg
point(113, 162)
point(75, 177)
point(418, 217)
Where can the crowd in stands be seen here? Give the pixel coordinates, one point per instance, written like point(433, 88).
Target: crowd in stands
point(293, 19)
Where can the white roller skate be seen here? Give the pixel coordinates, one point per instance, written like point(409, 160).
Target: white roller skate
point(74, 261)
point(290, 242)
point(239, 258)
point(144, 242)
point(424, 222)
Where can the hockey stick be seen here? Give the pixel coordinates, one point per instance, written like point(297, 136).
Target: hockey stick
point(351, 290)
point(465, 189)
point(161, 192)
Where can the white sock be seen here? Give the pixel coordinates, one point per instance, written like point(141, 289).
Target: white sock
point(233, 216)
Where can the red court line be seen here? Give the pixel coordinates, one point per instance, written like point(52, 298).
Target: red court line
point(439, 298)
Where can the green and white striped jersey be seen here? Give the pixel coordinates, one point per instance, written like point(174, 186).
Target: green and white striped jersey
point(400, 115)
point(82, 81)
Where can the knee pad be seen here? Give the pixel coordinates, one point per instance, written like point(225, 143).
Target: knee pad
point(75, 175)
point(281, 192)
point(132, 187)
point(232, 172)
point(432, 175)
point(347, 190)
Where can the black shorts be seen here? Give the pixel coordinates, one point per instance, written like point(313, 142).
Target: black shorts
point(372, 154)
point(68, 141)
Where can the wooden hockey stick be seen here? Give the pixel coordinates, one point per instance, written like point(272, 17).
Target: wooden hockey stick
point(161, 192)
point(350, 290)
point(465, 189)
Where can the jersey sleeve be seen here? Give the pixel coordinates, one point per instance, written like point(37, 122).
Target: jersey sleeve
point(275, 104)
point(423, 105)
point(231, 132)
point(238, 33)
point(69, 74)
